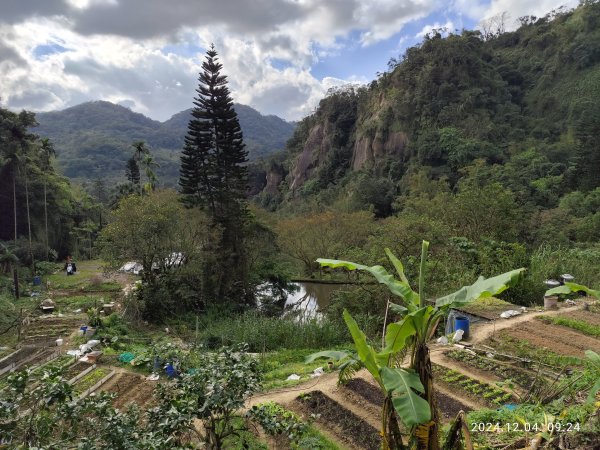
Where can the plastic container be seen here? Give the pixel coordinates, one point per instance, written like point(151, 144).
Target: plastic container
point(462, 323)
point(37, 280)
point(551, 302)
point(59, 342)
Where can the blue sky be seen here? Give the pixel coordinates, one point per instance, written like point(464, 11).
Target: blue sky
point(281, 56)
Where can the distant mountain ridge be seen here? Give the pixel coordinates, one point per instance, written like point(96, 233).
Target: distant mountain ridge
point(93, 139)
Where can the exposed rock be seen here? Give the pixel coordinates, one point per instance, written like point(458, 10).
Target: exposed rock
point(370, 149)
point(274, 178)
point(313, 153)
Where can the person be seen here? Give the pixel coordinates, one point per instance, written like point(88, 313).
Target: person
point(70, 266)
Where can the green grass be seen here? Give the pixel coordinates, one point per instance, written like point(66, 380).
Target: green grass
point(277, 366)
point(87, 278)
point(575, 324)
point(80, 301)
point(264, 334)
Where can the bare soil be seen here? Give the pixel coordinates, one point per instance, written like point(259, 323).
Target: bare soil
point(24, 353)
point(130, 388)
point(450, 406)
point(349, 427)
point(366, 390)
point(75, 370)
point(554, 338)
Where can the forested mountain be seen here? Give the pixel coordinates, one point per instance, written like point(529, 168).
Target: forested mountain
point(94, 139)
point(515, 110)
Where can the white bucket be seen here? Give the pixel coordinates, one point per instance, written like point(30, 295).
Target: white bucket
point(59, 342)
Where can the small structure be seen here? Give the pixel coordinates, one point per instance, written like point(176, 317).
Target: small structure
point(133, 267)
point(93, 357)
point(47, 306)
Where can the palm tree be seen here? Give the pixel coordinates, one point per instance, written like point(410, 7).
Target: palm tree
point(47, 152)
point(8, 262)
point(149, 165)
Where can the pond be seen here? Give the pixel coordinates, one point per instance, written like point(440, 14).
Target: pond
point(312, 297)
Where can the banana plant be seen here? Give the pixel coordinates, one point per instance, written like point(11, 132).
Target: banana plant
point(419, 320)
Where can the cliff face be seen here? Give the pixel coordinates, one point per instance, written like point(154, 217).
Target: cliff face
point(368, 150)
point(314, 151)
point(452, 101)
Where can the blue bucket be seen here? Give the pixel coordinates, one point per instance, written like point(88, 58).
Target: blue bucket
point(462, 323)
point(37, 280)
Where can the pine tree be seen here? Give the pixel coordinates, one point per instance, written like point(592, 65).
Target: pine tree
point(213, 176)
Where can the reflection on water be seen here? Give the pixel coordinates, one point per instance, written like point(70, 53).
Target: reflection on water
point(309, 298)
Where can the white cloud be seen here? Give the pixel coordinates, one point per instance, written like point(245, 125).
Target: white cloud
point(448, 26)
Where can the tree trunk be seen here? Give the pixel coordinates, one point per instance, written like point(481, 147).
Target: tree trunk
point(16, 281)
point(29, 222)
point(46, 221)
point(427, 434)
point(15, 268)
point(392, 438)
point(15, 205)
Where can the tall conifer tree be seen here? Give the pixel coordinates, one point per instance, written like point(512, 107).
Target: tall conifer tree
point(213, 176)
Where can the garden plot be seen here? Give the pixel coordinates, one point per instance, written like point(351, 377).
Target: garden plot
point(26, 357)
point(45, 331)
point(129, 388)
point(554, 338)
point(448, 405)
point(347, 426)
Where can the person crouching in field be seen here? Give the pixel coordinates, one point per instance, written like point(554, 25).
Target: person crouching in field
point(70, 266)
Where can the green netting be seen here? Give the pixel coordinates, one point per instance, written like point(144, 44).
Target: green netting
point(126, 357)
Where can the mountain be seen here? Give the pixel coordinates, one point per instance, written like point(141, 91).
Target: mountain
point(93, 139)
point(452, 106)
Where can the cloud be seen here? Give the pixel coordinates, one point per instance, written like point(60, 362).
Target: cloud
point(147, 53)
point(448, 26)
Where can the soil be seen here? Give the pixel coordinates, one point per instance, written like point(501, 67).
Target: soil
point(75, 370)
point(130, 388)
point(450, 406)
point(555, 338)
point(353, 430)
point(366, 390)
point(25, 352)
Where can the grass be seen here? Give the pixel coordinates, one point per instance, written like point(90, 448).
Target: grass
point(575, 324)
point(264, 334)
point(80, 301)
point(277, 366)
point(87, 278)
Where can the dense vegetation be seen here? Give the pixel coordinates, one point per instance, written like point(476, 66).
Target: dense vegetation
point(486, 146)
point(93, 139)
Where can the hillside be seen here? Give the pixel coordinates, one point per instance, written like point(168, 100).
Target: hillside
point(94, 139)
point(514, 108)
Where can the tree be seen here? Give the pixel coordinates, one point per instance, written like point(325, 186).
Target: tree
point(212, 174)
point(132, 171)
point(157, 231)
point(47, 152)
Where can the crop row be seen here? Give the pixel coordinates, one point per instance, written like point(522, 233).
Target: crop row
point(491, 394)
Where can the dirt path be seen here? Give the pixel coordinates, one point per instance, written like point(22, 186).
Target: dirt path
point(481, 332)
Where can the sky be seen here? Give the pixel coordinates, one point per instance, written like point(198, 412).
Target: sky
point(280, 56)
